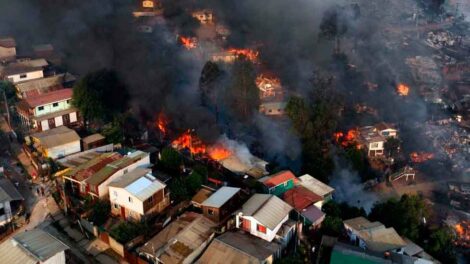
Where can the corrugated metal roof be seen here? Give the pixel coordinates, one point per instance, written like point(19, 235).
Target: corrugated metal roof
point(240, 248)
point(267, 209)
point(221, 196)
point(8, 191)
point(315, 185)
point(31, 247)
point(140, 183)
point(278, 178)
point(56, 137)
point(92, 138)
point(49, 97)
point(300, 197)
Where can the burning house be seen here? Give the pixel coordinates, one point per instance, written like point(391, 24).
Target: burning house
point(372, 141)
point(204, 16)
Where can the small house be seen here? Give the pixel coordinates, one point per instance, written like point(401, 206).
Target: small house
point(24, 70)
point(278, 183)
point(138, 194)
point(317, 187)
point(11, 201)
point(57, 142)
point(220, 205)
point(93, 141)
point(307, 204)
point(7, 49)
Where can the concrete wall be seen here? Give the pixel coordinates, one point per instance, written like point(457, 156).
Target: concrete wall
point(121, 197)
point(64, 150)
point(268, 236)
point(50, 108)
point(58, 258)
point(16, 78)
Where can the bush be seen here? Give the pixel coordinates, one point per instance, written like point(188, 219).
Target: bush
point(100, 213)
point(127, 231)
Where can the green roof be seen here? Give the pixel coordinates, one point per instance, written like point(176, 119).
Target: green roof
point(342, 255)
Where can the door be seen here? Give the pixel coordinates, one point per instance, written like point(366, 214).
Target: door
point(51, 122)
point(123, 212)
point(44, 125)
point(66, 119)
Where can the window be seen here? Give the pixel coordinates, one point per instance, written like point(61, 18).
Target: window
point(374, 145)
point(22, 76)
point(125, 171)
point(2, 211)
point(55, 104)
point(68, 101)
point(261, 228)
point(211, 212)
point(41, 108)
point(130, 199)
point(150, 199)
point(116, 206)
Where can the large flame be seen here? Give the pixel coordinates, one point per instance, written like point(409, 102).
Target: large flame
point(348, 139)
point(403, 89)
point(189, 141)
point(188, 43)
point(219, 152)
point(248, 53)
point(268, 85)
point(162, 123)
point(420, 157)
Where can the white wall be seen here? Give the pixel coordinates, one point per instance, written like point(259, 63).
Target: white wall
point(6, 218)
point(64, 150)
point(270, 234)
point(15, 78)
point(103, 187)
point(58, 121)
point(44, 125)
point(121, 196)
point(73, 117)
point(58, 258)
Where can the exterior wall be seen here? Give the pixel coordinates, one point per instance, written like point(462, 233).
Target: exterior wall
point(389, 133)
point(63, 120)
point(63, 150)
point(6, 53)
point(103, 187)
point(5, 218)
point(376, 148)
point(121, 197)
point(16, 78)
point(268, 236)
point(198, 251)
point(215, 216)
point(58, 258)
point(50, 108)
point(282, 188)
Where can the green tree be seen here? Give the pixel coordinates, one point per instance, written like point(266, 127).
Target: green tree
point(179, 190)
point(10, 92)
point(440, 245)
point(126, 231)
point(171, 159)
point(331, 226)
point(100, 212)
point(405, 215)
point(194, 182)
point(100, 96)
point(342, 210)
point(391, 147)
point(113, 132)
point(243, 95)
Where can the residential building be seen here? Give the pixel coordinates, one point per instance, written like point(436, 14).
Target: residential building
point(278, 183)
point(36, 87)
point(386, 130)
point(372, 141)
point(317, 187)
point(48, 110)
point(138, 194)
point(307, 204)
point(93, 141)
point(94, 176)
point(33, 247)
point(373, 236)
point(23, 70)
point(202, 195)
point(204, 16)
point(182, 241)
point(263, 215)
point(273, 108)
point(11, 201)
point(7, 49)
point(240, 248)
point(55, 143)
point(220, 205)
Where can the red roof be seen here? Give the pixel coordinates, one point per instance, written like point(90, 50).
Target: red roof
point(301, 198)
point(278, 178)
point(49, 97)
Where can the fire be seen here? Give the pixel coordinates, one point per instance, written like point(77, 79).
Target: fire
point(189, 141)
point(248, 53)
point(403, 89)
point(459, 229)
point(420, 157)
point(348, 139)
point(188, 43)
point(219, 152)
point(162, 123)
point(269, 86)
point(462, 231)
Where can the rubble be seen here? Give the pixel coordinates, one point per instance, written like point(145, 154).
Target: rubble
point(440, 39)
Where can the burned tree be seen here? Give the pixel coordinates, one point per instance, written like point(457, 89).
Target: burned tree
point(333, 27)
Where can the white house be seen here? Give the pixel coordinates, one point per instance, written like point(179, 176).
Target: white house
point(138, 194)
point(7, 48)
point(10, 201)
point(386, 130)
point(57, 142)
point(48, 110)
point(373, 236)
point(24, 70)
point(263, 215)
point(317, 187)
point(371, 141)
point(33, 247)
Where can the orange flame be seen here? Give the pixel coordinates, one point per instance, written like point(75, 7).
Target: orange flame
point(189, 141)
point(219, 152)
point(420, 157)
point(348, 139)
point(188, 43)
point(403, 89)
point(459, 229)
point(248, 53)
point(162, 123)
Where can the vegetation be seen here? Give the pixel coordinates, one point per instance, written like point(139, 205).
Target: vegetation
point(391, 147)
point(242, 96)
point(10, 92)
point(100, 212)
point(405, 215)
point(333, 26)
point(315, 121)
point(126, 231)
point(100, 96)
point(183, 188)
point(440, 244)
point(335, 214)
point(171, 159)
